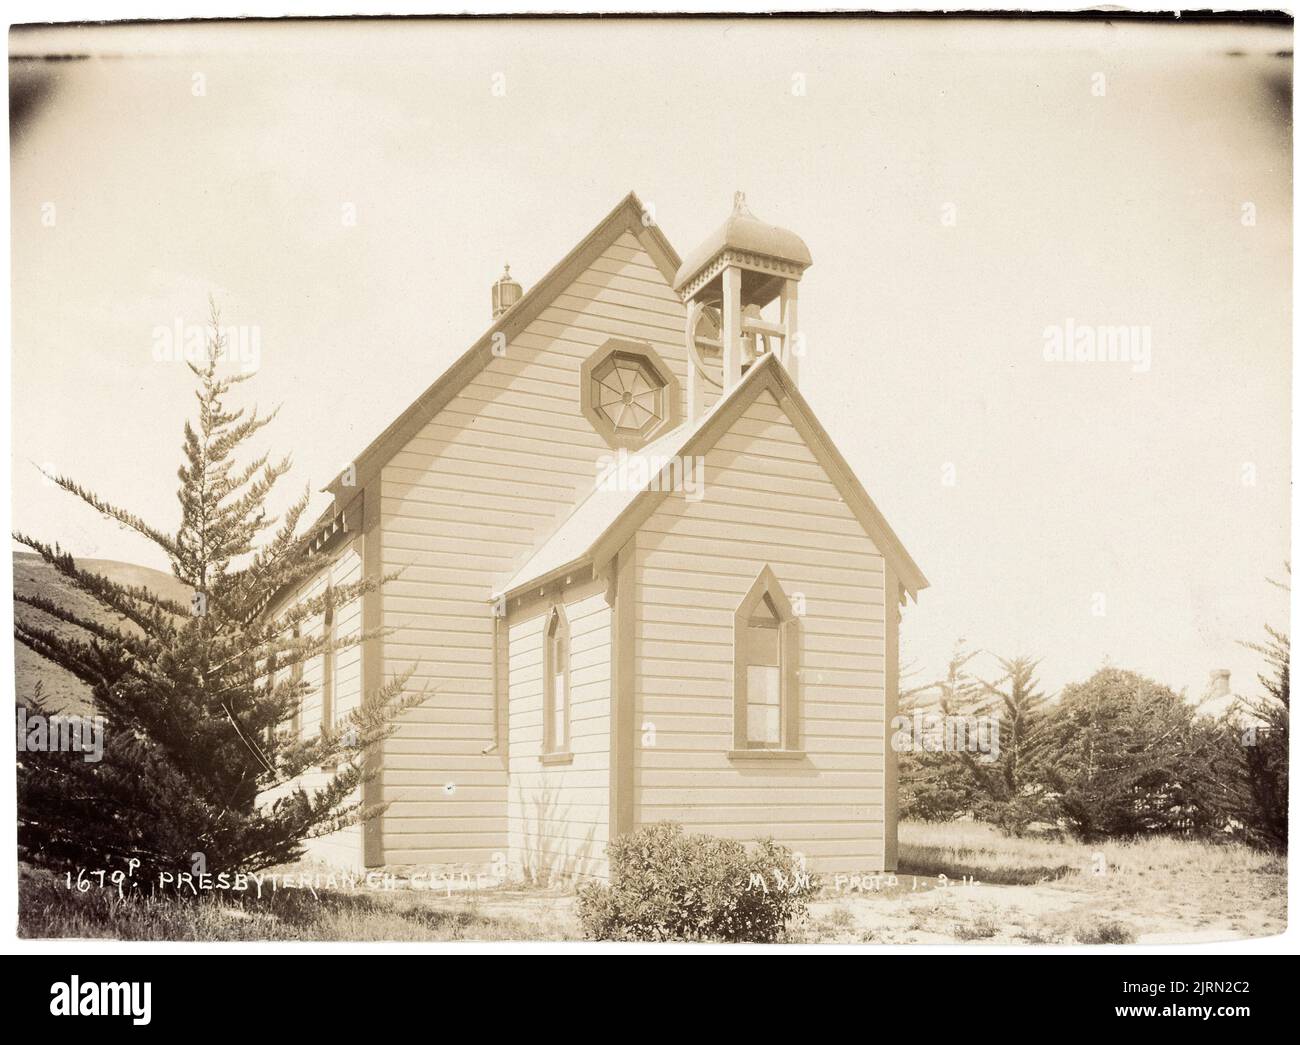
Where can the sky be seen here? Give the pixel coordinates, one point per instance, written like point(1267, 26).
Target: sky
point(968, 190)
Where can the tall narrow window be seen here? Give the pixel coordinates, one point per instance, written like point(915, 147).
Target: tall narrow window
point(327, 715)
point(295, 676)
point(766, 669)
point(272, 680)
point(555, 670)
point(763, 675)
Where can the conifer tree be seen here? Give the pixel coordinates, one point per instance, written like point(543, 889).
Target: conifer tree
point(934, 784)
point(1010, 791)
point(1260, 738)
point(1129, 756)
point(197, 699)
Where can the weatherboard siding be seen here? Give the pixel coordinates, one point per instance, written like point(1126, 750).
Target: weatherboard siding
point(767, 502)
point(463, 504)
point(342, 848)
point(558, 815)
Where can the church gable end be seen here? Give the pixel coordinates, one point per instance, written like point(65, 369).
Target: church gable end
point(463, 501)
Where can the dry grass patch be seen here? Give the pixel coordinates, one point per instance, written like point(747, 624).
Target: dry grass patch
point(48, 910)
point(1053, 890)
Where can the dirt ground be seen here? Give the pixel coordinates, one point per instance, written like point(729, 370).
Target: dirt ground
point(933, 910)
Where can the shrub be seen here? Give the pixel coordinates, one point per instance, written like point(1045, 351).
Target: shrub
point(669, 885)
point(982, 928)
point(1105, 932)
point(1016, 816)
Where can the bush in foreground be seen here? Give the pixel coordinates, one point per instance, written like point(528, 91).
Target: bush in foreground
point(669, 885)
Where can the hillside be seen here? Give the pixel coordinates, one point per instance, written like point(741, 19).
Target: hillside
point(32, 575)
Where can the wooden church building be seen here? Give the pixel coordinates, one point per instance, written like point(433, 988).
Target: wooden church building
point(638, 580)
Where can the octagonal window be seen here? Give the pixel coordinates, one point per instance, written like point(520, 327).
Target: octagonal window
point(628, 394)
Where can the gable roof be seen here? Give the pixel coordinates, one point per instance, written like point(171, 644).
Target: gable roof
point(602, 523)
point(627, 216)
point(569, 544)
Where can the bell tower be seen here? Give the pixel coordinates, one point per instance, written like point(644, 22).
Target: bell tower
point(726, 283)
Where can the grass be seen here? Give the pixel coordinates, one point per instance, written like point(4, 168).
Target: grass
point(978, 851)
point(983, 927)
point(982, 852)
point(1046, 889)
point(47, 909)
point(1105, 932)
point(1030, 891)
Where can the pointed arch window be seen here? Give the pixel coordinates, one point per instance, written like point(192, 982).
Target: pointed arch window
point(766, 716)
point(555, 684)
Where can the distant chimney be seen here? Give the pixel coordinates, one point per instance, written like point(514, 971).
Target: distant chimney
point(1219, 684)
point(506, 292)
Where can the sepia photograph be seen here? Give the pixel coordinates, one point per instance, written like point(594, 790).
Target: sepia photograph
point(558, 482)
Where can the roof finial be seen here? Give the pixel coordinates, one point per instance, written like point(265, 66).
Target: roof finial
point(739, 205)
